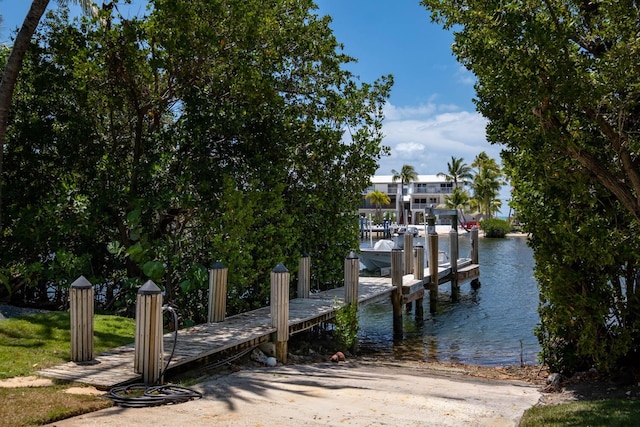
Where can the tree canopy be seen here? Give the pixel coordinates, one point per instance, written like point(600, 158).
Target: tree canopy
point(155, 146)
point(558, 82)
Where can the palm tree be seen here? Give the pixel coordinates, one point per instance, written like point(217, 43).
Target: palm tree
point(459, 199)
point(457, 170)
point(406, 175)
point(487, 183)
point(14, 64)
point(378, 199)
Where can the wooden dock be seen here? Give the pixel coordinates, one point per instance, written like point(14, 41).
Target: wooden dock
point(200, 343)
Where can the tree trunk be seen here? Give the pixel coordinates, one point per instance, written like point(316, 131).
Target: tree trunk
point(10, 76)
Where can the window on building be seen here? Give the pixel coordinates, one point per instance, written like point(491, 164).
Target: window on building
point(421, 187)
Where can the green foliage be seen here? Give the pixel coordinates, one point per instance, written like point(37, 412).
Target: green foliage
point(153, 147)
point(347, 327)
point(494, 227)
point(457, 172)
point(458, 199)
point(405, 175)
point(486, 184)
point(378, 199)
point(558, 84)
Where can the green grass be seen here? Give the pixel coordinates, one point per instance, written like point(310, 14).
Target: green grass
point(609, 412)
point(34, 406)
point(33, 342)
point(41, 340)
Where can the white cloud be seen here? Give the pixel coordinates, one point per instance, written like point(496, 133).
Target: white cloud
point(426, 136)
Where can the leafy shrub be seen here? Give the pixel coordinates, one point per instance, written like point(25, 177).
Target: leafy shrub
point(494, 227)
point(347, 327)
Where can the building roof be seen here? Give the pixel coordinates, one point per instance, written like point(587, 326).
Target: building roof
point(388, 179)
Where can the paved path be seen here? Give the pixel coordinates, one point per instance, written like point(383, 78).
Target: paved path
point(348, 394)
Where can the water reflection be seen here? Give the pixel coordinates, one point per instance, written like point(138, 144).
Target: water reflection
point(490, 326)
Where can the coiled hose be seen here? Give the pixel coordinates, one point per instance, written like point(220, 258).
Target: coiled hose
point(142, 395)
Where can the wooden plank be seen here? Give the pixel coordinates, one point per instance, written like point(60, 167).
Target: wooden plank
point(413, 296)
point(469, 272)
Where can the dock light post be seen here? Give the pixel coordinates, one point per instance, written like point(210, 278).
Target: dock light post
point(81, 313)
point(149, 347)
point(217, 292)
point(280, 309)
point(304, 276)
point(351, 278)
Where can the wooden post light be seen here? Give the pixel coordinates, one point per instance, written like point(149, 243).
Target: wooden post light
point(304, 276)
point(149, 348)
point(280, 309)
point(217, 292)
point(81, 313)
point(351, 278)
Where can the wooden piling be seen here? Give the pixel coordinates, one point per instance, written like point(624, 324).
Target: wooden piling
point(474, 245)
point(418, 274)
point(396, 297)
point(149, 348)
point(217, 293)
point(433, 272)
point(408, 253)
point(453, 260)
point(304, 276)
point(280, 309)
point(351, 278)
point(81, 299)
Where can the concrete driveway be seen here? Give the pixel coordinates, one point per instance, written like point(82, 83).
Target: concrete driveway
point(345, 394)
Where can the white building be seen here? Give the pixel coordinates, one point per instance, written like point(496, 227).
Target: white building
point(426, 191)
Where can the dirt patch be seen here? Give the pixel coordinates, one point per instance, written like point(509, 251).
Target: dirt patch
point(30, 381)
point(87, 391)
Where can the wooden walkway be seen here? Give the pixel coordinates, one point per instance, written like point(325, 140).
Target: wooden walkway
point(242, 331)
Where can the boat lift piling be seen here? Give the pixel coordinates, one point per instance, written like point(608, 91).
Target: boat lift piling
point(418, 274)
point(396, 297)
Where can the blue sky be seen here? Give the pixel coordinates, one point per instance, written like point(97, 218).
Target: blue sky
point(430, 115)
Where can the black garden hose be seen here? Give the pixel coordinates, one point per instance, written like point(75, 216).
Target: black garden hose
point(141, 395)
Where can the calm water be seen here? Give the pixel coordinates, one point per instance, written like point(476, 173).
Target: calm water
point(490, 326)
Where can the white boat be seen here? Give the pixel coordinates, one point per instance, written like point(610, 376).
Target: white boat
point(407, 230)
point(379, 257)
